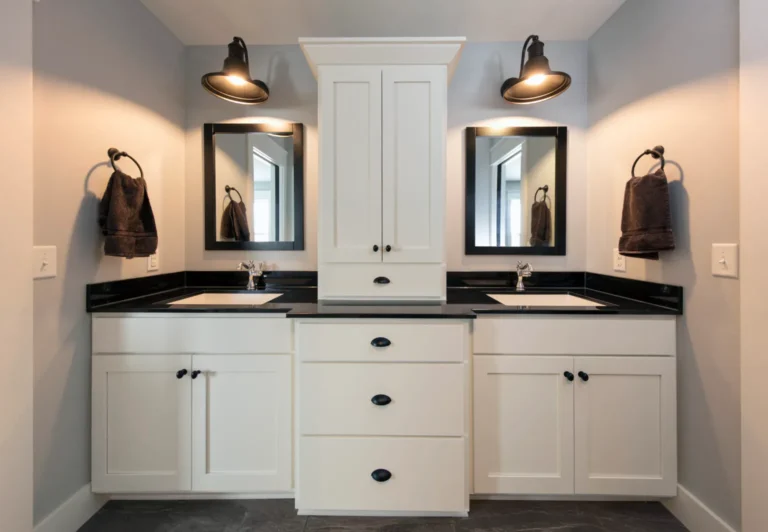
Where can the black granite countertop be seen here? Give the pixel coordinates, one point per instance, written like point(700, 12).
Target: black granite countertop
point(467, 297)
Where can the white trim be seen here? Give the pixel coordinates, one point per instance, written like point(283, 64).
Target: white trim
point(74, 512)
point(379, 513)
point(198, 496)
point(694, 514)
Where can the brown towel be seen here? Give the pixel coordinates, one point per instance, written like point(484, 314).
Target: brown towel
point(646, 222)
point(541, 223)
point(126, 219)
point(234, 222)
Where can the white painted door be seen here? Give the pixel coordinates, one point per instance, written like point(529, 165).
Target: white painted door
point(241, 423)
point(141, 423)
point(350, 162)
point(625, 426)
point(413, 137)
point(523, 417)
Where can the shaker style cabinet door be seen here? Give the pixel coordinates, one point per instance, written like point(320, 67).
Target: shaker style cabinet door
point(414, 136)
point(241, 423)
point(523, 417)
point(350, 162)
point(625, 426)
point(141, 423)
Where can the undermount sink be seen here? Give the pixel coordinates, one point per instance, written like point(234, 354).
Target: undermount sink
point(225, 299)
point(543, 300)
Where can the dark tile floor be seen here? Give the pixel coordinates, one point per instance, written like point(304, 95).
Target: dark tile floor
point(280, 516)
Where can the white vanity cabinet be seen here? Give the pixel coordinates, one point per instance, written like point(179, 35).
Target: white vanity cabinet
point(382, 131)
point(611, 430)
point(180, 420)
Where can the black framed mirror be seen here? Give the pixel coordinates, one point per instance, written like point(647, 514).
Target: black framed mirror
point(515, 202)
point(254, 186)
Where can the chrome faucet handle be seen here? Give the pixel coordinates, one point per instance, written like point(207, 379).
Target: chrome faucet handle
point(524, 269)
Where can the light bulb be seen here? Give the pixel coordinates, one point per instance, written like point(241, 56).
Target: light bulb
point(236, 80)
point(536, 79)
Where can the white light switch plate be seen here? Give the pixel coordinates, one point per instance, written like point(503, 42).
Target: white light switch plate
point(153, 262)
point(725, 260)
point(619, 261)
point(43, 262)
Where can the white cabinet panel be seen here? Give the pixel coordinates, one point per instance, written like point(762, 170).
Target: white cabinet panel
point(414, 114)
point(350, 164)
point(626, 426)
point(426, 399)
point(523, 424)
point(141, 424)
point(241, 423)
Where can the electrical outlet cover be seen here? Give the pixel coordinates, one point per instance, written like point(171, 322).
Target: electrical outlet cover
point(619, 261)
point(153, 262)
point(725, 260)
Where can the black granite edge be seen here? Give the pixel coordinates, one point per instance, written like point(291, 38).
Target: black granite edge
point(110, 292)
point(234, 278)
point(488, 279)
point(662, 295)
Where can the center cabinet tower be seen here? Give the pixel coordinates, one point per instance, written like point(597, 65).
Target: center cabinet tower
point(382, 159)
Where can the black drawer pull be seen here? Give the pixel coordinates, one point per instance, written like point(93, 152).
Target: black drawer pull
point(583, 376)
point(196, 373)
point(375, 247)
point(180, 374)
point(381, 400)
point(568, 375)
point(381, 342)
point(381, 475)
point(381, 280)
point(388, 248)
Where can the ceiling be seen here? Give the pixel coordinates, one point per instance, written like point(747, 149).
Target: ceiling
point(197, 22)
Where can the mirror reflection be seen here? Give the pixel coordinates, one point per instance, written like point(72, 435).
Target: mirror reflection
point(515, 191)
point(254, 187)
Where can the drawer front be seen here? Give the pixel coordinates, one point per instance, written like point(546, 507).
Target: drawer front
point(406, 342)
point(406, 282)
point(575, 335)
point(230, 334)
point(338, 399)
point(427, 474)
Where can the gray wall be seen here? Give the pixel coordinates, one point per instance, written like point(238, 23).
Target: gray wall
point(667, 73)
point(473, 99)
point(15, 279)
point(107, 73)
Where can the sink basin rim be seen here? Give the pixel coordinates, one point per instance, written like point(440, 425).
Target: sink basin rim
point(227, 299)
point(544, 300)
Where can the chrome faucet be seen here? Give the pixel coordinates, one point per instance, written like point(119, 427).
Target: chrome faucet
point(254, 270)
point(523, 271)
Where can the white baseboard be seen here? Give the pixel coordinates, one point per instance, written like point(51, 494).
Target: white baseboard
point(694, 514)
point(73, 513)
point(198, 496)
point(379, 513)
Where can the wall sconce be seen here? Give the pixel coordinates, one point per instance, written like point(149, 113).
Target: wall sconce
point(537, 81)
point(234, 82)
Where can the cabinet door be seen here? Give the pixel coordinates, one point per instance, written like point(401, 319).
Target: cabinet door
point(414, 135)
point(141, 423)
point(625, 426)
point(241, 423)
point(350, 164)
point(523, 416)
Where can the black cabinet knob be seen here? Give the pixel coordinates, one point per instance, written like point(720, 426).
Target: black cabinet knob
point(583, 376)
point(381, 400)
point(388, 248)
point(568, 375)
point(381, 280)
point(381, 475)
point(375, 247)
point(196, 373)
point(180, 374)
point(381, 342)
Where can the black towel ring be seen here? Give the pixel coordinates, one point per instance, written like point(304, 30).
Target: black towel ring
point(115, 155)
point(228, 189)
point(545, 188)
point(657, 153)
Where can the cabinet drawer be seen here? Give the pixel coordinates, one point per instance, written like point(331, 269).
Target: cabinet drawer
point(427, 474)
point(182, 333)
point(426, 399)
point(406, 282)
point(407, 342)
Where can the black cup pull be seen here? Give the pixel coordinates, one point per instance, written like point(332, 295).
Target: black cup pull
point(388, 248)
point(568, 375)
point(381, 475)
point(196, 373)
point(583, 376)
point(381, 400)
point(381, 342)
point(375, 247)
point(180, 374)
point(381, 280)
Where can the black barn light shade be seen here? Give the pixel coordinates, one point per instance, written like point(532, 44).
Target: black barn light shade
point(234, 82)
point(537, 81)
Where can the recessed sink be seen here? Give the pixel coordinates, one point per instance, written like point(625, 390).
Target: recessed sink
point(226, 299)
point(543, 300)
